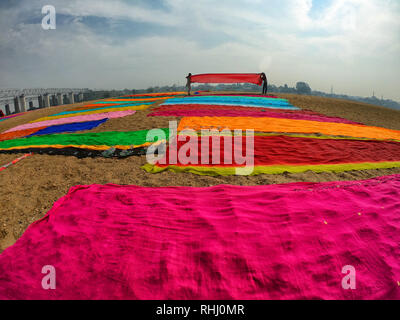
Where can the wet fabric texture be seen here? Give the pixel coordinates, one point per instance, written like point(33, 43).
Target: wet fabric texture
point(290, 241)
point(289, 126)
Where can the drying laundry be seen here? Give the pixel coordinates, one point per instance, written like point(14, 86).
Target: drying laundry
point(288, 126)
point(288, 241)
point(90, 117)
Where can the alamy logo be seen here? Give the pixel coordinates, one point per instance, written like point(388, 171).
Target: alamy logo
point(49, 280)
point(49, 20)
point(225, 147)
point(349, 281)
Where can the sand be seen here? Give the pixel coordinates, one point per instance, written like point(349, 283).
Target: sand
point(30, 187)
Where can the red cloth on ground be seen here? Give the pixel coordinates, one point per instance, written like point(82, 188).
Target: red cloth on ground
point(278, 150)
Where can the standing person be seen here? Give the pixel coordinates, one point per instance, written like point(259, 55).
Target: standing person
point(265, 83)
point(189, 83)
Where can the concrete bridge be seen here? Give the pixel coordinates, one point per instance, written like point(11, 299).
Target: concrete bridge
point(24, 99)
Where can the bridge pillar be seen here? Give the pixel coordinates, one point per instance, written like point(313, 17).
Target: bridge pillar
point(46, 100)
point(60, 98)
point(81, 97)
point(7, 110)
point(16, 105)
point(40, 101)
point(31, 105)
point(53, 100)
point(22, 101)
point(71, 98)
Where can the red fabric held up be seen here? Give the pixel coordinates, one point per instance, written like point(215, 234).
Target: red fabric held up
point(281, 150)
point(254, 78)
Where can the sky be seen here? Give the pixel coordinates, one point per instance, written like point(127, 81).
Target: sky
point(352, 45)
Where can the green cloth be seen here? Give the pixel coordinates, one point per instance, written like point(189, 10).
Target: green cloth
point(112, 138)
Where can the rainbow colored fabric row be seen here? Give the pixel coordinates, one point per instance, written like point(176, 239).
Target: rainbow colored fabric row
point(285, 140)
point(199, 110)
point(244, 101)
point(94, 141)
point(85, 117)
point(224, 155)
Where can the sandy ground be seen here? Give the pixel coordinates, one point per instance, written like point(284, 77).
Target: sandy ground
point(29, 188)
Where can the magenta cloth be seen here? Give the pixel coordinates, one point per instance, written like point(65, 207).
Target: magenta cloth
point(12, 116)
point(236, 113)
point(287, 241)
point(84, 118)
point(241, 94)
point(254, 78)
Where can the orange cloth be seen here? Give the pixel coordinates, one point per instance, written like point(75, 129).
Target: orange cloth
point(89, 106)
point(288, 126)
point(19, 133)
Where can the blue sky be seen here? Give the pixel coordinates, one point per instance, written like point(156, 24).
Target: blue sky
point(350, 44)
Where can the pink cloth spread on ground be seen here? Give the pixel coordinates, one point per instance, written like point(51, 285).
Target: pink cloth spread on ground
point(288, 241)
point(214, 112)
point(89, 117)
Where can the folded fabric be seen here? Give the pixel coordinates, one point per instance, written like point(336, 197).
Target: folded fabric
point(96, 141)
point(276, 154)
point(291, 241)
point(289, 126)
point(99, 111)
point(70, 127)
point(89, 117)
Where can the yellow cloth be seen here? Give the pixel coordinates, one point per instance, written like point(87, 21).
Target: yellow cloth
point(134, 100)
point(83, 146)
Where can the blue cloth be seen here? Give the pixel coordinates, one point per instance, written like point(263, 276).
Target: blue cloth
point(243, 99)
point(70, 127)
point(235, 101)
point(236, 104)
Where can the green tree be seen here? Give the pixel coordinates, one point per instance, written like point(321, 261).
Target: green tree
point(303, 88)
